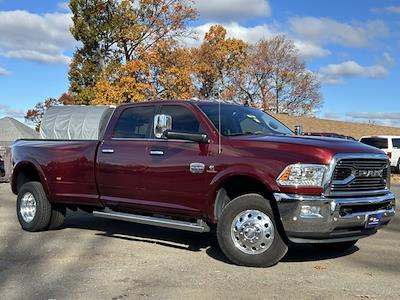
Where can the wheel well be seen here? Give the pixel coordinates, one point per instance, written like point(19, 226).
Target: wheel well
point(26, 173)
point(236, 186)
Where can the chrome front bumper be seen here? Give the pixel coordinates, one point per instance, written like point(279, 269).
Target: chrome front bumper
point(319, 219)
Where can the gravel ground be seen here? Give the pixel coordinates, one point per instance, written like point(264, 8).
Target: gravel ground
point(103, 259)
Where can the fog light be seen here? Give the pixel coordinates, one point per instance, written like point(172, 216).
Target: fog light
point(308, 211)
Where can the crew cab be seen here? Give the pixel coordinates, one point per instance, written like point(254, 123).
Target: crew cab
point(209, 166)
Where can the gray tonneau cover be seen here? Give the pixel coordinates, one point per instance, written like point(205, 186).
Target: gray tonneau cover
point(75, 122)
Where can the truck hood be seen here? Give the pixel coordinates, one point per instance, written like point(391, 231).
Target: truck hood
point(303, 148)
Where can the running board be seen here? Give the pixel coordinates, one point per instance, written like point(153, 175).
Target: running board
point(199, 226)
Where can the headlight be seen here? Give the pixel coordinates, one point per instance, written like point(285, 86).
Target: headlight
point(302, 175)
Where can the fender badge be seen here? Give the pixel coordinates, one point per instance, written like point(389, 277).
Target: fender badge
point(211, 169)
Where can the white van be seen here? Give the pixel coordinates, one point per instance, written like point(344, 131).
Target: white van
point(388, 143)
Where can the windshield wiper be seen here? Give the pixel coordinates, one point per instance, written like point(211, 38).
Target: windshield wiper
point(247, 133)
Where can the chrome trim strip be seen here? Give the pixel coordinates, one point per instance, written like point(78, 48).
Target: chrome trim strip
point(156, 152)
point(368, 200)
point(152, 140)
point(107, 150)
point(323, 241)
point(359, 193)
point(199, 226)
point(344, 181)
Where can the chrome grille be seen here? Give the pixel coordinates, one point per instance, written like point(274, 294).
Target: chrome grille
point(352, 176)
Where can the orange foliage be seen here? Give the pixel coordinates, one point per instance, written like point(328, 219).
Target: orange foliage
point(164, 72)
point(216, 60)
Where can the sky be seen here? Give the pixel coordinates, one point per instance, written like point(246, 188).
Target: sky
point(353, 46)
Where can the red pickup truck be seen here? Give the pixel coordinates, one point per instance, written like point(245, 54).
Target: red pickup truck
point(203, 165)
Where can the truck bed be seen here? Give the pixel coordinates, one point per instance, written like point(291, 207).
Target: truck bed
point(68, 167)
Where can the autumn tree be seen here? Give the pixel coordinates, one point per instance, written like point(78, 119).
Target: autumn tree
point(164, 72)
point(35, 115)
point(215, 61)
point(115, 32)
point(66, 99)
point(171, 71)
point(129, 83)
point(277, 79)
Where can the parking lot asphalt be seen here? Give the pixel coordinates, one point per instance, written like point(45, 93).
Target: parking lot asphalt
point(95, 258)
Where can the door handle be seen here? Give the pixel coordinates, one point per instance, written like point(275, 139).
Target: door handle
point(107, 150)
point(156, 152)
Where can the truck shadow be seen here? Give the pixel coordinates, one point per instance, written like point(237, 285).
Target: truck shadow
point(188, 241)
point(304, 252)
point(296, 253)
point(138, 232)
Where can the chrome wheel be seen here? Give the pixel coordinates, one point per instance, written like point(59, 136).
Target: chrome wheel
point(252, 231)
point(28, 207)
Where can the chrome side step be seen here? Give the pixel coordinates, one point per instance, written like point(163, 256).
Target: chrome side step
point(199, 226)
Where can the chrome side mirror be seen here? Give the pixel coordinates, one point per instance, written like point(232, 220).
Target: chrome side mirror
point(162, 123)
point(298, 130)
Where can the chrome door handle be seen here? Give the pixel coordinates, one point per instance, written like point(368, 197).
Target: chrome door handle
point(107, 150)
point(156, 152)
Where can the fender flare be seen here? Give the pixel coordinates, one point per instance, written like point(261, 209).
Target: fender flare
point(221, 177)
point(31, 163)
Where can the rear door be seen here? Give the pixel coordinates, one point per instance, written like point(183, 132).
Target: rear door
point(396, 152)
point(122, 158)
point(172, 185)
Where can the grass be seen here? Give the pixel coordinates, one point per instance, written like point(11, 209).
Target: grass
point(395, 179)
point(355, 130)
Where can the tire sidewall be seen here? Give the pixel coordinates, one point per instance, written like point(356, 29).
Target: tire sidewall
point(33, 188)
point(272, 255)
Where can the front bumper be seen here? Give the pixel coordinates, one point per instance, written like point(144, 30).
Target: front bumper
point(319, 219)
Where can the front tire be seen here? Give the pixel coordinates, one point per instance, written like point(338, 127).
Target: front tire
point(248, 234)
point(33, 207)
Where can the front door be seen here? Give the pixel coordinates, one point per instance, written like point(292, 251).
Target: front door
point(175, 180)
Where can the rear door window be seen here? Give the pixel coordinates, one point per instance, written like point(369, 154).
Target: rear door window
point(135, 122)
point(380, 143)
point(396, 143)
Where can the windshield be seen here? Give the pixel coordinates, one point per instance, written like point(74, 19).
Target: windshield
point(242, 120)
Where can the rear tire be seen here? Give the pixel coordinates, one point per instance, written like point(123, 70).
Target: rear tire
point(33, 208)
point(337, 247)
point(248, 234)
point(57, 217)
point(398, 167)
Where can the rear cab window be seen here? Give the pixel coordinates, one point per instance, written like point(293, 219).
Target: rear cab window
point(380, 143)
point(135, 123)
